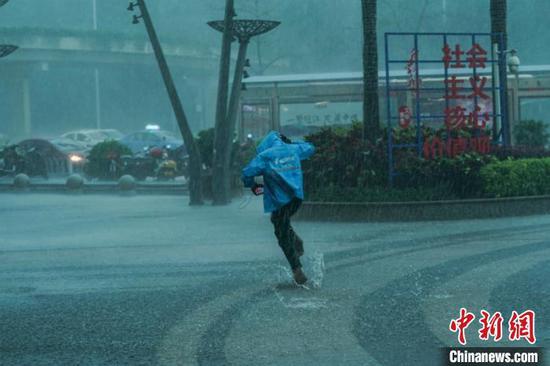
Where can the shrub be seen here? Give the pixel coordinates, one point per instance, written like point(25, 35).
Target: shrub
point(459, 176)
point(531, 133)
point(345, 167)
point(343, 160)
point(101, 157)
point(380, 194)
point(205, 142)
point(241, 154)
point(519, 152)
point(523, 177)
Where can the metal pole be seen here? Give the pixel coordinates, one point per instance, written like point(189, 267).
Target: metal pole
point(97, 99)
point(388, 112)
point(27, 121)
point(516, 106)
point(445, 15)
point(195, 189)
point(94, 13)
point(96, 73)
point(419, 136)
point(505, 118)
point(497, 112)
point(220, 177)
point(233, 109)
point(223, 81)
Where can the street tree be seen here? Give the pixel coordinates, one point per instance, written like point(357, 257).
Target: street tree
point(499, 25)
point(371, 113)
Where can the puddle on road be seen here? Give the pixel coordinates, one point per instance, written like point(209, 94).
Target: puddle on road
point(294, 296)
point(313, 266)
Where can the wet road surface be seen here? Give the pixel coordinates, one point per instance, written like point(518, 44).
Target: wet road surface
point(145, 280)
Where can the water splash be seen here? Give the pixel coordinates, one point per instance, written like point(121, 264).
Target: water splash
point(314, 267)
point(285, 289)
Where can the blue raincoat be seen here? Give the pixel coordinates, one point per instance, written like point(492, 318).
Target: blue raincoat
point(279, 163)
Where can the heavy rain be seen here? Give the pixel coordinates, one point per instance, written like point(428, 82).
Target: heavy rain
point(253, 182)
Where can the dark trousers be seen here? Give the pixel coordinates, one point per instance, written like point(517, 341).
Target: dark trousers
point(289, 241)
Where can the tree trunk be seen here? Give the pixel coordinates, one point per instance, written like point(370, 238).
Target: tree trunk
point(371, 113)
point(195, 164)
point(498, 25)
point(221, 174)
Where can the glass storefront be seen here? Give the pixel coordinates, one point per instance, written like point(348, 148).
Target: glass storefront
point(300, 119)
point(533, 108)
point(256, 120)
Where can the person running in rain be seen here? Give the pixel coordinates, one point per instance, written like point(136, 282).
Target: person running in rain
point(278, 161)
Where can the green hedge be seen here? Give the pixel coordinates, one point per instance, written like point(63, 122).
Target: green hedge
point(523, 177)
point(379, 194)
point(459, 176)
point(347, 168)
point(343, 160)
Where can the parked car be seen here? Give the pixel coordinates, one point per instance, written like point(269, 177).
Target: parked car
point(75, 152)
point(144, 140)
point(92, 137)
point(40, 157)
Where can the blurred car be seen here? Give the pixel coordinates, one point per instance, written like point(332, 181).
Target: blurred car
point(147, 139)
point(42, 157)
point(75, 152)
point(92, 137)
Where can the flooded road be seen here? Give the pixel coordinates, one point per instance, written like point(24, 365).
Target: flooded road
point(103, 280)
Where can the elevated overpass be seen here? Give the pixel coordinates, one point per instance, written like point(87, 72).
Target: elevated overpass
point(84, 46)
point(42, 49)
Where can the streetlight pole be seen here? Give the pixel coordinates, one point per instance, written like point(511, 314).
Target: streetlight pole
point(513, 66)
point(8, 49)
point(96, 73)
point(243, 30)
point(218, 167)
point(195, 164)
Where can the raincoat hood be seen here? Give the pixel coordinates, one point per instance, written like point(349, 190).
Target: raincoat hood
point(272, 139)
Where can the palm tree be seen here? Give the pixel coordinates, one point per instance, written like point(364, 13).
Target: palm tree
point(371, 113)
point(498, 25)
point(498, 19)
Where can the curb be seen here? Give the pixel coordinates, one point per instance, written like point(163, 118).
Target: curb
point(107, 188)
point(424, 210)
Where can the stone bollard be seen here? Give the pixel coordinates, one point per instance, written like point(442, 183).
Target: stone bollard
point(21, 181)
point(74, 182)
point(127, 183)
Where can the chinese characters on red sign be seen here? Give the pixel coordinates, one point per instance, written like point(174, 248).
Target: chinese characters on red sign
point(436, 147)
point(520, 326)
point(464, 97)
